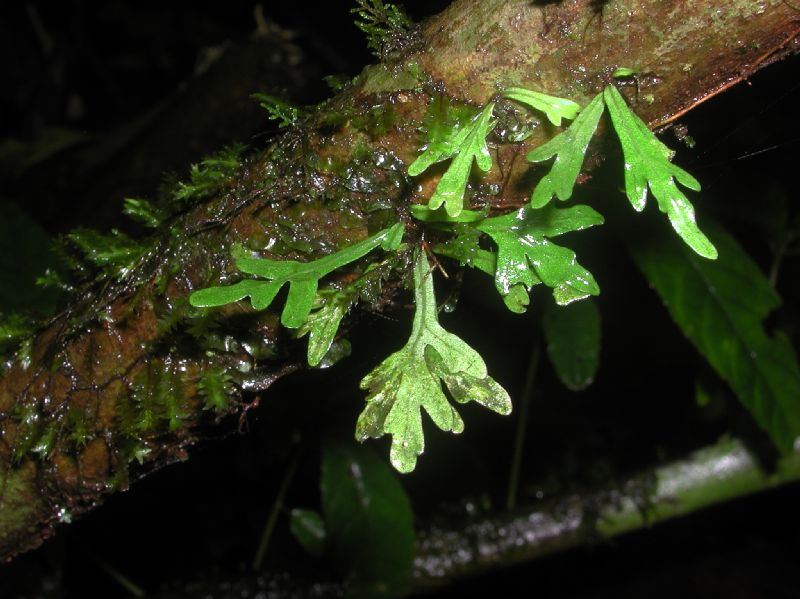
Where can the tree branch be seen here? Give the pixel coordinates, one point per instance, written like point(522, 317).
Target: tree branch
point(113, 387)
point(475, 546)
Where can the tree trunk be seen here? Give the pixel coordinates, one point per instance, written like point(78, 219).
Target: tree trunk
point(117, 385)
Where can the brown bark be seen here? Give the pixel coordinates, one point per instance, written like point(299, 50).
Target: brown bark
point(76, 418)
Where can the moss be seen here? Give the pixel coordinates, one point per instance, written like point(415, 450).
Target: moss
point(156, 400)
point(215, 388)
point(13, 328)
point(211, 175)
point(24, 354)
point(27, 429)
point(382, 78)
point(18, 501)
point(46, 439)
point(376, 121)
point(143, 212)
point(110, 256)
point(77, 426)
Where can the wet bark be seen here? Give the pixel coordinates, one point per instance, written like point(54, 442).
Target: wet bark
point(113, 386)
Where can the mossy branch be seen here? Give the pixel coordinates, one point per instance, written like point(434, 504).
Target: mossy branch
point(130, 392)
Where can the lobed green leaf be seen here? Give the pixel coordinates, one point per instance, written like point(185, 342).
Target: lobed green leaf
point(647, 164)
point(322, 326)
point(527, 257)
point(302, 277)
point(569, 148)
point(411, 380)
point(444, 122)
point(555, 108)
point(463, 144)
point(465, 247)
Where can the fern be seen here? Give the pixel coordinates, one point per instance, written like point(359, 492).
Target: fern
point(462, 144)
point(302, 277)
point(647, 165)
point(411, 380)
point(569, 148)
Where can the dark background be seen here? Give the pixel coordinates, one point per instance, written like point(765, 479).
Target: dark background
point(81, 75)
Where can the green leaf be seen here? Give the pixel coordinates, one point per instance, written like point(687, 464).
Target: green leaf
point(526, 256)
point(465, 247)
point(444, 122)
point(322, 326)
point(625, 72)
point(647, 164)
point(308, 528)
point(573, 342)
point(555, 108)
point(426, 215)
point(368, 519)
point(462, 144)
point(569, 148)
point(411, 379)
point(719, 306)
point(303, 278)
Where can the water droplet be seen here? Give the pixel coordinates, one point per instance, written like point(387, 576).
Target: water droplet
point(63, 515)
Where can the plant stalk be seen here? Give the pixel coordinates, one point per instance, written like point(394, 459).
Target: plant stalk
point(709, 476)
point(522, 427)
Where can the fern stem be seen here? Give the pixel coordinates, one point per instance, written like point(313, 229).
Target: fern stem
point(131, 587)
point(777, 260)
point(269, 527)
point(522, 426)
